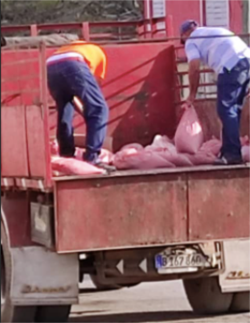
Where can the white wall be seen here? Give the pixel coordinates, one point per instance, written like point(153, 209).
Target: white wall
point(159, 10)
point(217, 13)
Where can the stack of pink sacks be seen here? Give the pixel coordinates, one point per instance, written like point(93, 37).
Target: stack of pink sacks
point(186, 149)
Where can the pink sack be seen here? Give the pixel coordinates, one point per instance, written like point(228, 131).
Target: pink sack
point(211, 146)
point(178, 159)
point(72, 166)
point(54, 148)
point(245, 151)
point(162, 142)
point(133, 146)
point(189, 136)
point(144, 160)
point(106, 156)
point(202, 158)
point(166, 147)
point(244, 141)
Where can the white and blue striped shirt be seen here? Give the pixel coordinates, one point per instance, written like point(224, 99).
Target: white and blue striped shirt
point(216, 52)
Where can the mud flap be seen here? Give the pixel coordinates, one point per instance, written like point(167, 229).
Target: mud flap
point(42, 277)
point(236, 277)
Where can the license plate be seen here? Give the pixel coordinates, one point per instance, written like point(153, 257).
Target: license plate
point(179, 263)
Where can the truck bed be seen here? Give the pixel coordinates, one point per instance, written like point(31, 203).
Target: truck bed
point(131, 209)
point(127, 209)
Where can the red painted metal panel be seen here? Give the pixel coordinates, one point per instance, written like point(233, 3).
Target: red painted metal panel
point(14, 160)
point(139, 92)
point(182, 10)
point(25, 130)
point(219, 205)
point(236, 15)
point(38, 150)
point(120, 212)
point(20, 75)
point(15, 207)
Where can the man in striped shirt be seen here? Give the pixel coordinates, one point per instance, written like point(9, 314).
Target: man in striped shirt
point(229, 57)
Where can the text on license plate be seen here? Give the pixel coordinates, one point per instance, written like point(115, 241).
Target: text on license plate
point(179, 261)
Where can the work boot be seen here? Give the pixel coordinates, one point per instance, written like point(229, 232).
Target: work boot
point(109, 169)
point(223, 161)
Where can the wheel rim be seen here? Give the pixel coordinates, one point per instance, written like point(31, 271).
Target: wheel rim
point(3, 283)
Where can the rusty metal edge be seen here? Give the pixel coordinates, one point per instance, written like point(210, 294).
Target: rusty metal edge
point(147, 246)
point(179, 170)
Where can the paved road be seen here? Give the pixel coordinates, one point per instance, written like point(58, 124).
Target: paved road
point(152, 302)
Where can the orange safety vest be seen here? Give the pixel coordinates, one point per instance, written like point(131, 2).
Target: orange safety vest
point(93, 55)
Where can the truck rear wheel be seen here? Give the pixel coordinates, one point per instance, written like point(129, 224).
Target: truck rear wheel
point(52, 313)
point(9, 312)
point(205, 296)
point(241, 302)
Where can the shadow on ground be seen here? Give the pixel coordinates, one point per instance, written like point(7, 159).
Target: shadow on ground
point(101, 317)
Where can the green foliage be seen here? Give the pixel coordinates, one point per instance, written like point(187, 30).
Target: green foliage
point(45, 11)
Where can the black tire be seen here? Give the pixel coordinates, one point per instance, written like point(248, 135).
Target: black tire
point(205, 296)
point(241, 302)
point(9, 312)
point(59, 313)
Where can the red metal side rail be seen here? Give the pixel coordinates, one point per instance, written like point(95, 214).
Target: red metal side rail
point(25, 152)
point(145, 28)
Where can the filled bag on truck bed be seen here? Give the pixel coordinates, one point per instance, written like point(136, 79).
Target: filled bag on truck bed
point(72, 166)
point(135, 146)
point(245, 151)
point(105, 156)
point(212, 146)
point(178, 159)
point(245, 141)
point(189, 135)
point(131, 158)
point(202, 158)
point(54, 148)
point(161, 143)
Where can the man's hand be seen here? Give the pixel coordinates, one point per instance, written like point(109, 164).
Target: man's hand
point(190, 100)
point(194, 79)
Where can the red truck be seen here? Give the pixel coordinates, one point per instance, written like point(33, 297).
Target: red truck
point(128, 227)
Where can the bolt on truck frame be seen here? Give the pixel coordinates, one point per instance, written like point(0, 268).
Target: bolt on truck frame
point(128, 227)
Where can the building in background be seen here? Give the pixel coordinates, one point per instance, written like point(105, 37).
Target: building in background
point(224, 13)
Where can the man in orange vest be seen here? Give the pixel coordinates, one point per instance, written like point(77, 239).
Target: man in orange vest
point(74, 74)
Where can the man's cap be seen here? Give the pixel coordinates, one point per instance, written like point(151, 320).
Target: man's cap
point(186, 25)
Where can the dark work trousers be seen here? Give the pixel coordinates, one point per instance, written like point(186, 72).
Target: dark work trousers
point(67, 79)
point(232, 89)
